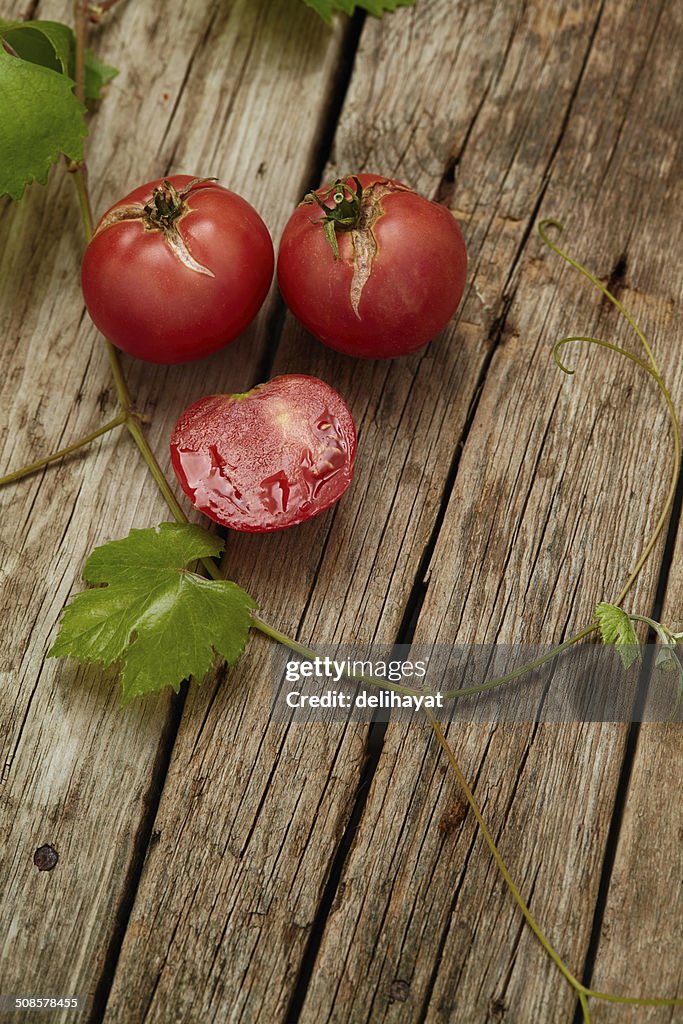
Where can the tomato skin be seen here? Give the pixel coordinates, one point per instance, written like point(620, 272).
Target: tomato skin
point(268, 459)
point(143, 298)
point(414, 287)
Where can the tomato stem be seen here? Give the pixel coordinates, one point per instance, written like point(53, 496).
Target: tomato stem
point(168, 204)
point(344, 215)
point(165, 206)
point(80, 16)
point(80, 172)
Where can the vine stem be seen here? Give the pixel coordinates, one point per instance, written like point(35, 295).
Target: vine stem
point(80, 174)
point(385, 684)
point(517, 673)
point(550, 222)
point(156, 470)
point(583, 992)
point(80, 15)
point(651, 369)
point(497, 856)
point(307, 652)
point(33, 467)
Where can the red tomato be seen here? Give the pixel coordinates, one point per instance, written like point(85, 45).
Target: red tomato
point(396, 278)
point(177, 269)
point(270, 458)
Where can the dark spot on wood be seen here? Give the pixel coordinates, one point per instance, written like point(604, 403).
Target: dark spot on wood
point(261, 169)
point(103, 399)
point(45, 858)
point(499, 326)
point(617, 278)
point(292, 932)
point(339, 898)
point(453, 817)
point(445, 190)
point(497, 1009)
point(400, 990)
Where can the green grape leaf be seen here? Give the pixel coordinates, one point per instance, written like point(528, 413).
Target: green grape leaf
point(53, 45)
point(326, 8)
point(159, 620)
point(47, 43)
point(40, 118)
point(616, 628)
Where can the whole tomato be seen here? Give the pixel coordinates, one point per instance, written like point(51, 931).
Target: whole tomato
point(177, 269)
point(270, 458)
point(370, 267)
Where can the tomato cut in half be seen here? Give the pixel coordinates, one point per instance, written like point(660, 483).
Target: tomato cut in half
point(370, 267)
point(177, 269)
point(270, 458)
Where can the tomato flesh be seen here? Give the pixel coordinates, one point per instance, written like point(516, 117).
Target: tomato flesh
point(148, 303)
point(417, 264)
point(268, 459)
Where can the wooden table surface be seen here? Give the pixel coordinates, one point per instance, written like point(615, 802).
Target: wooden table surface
point(214, 865)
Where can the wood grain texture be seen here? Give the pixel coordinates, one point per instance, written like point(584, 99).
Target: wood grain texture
point(486, 483)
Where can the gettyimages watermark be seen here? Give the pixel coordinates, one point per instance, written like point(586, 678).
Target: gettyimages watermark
point(474, 682)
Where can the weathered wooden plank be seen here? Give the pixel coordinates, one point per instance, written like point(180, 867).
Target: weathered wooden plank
point(534, 536)
point(253, 814)
point(78, 772)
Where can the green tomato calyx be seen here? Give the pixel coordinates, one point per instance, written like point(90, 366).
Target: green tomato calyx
point(168, 204)
point(344, 214)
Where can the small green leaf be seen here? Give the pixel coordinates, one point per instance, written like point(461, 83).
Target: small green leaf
point(97, 75)
point(326, 8)
point(667, 659)
point(616, 628)
point(53, 45)
point(162, 622)
point(40, 118)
